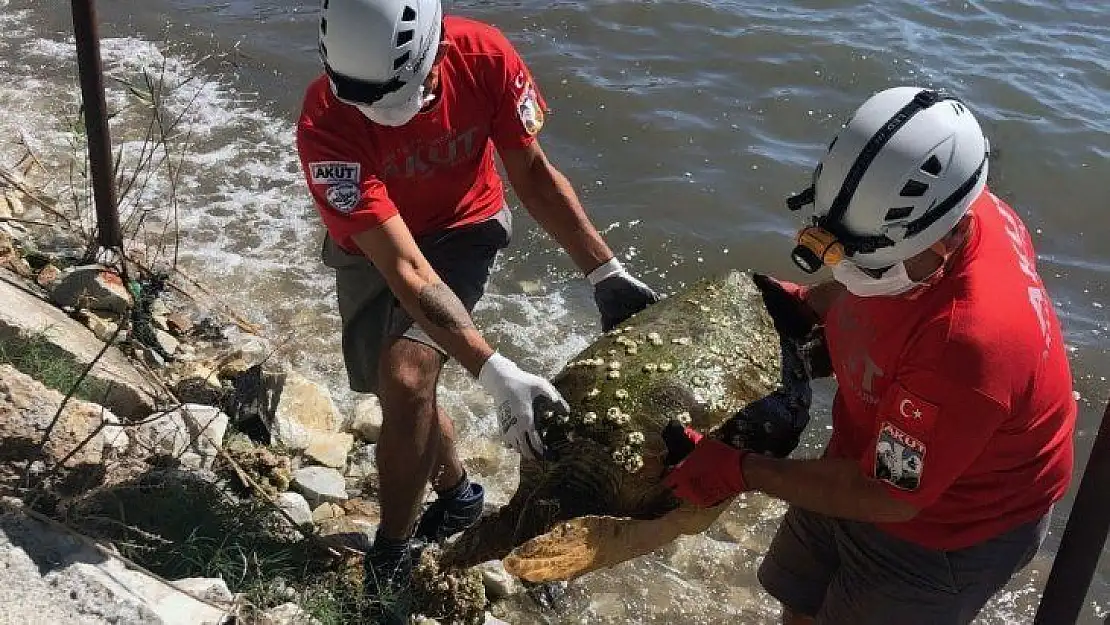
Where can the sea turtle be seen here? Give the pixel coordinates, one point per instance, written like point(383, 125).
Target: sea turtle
point(709, 357)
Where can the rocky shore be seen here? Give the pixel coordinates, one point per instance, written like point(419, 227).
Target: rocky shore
point(160, 463)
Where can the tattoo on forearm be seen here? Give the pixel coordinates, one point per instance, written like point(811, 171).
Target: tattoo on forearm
point(440, 305)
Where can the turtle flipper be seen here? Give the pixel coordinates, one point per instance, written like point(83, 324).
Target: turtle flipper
point(589, 543)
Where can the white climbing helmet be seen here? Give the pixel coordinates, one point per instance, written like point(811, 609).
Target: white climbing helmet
point(895, 180)
point(377, 53)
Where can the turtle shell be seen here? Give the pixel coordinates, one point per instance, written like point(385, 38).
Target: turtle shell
point(699, 356)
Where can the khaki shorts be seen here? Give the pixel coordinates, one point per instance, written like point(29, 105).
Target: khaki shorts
point(462, 257)
point(842, 572)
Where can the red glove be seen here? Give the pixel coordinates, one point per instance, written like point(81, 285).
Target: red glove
point(710, 474)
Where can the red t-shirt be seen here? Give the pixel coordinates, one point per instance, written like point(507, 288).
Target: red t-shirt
point(437, 171)
point(959, 399)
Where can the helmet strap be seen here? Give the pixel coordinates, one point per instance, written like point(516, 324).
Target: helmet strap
point(923, 100)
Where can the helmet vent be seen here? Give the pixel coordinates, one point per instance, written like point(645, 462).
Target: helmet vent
point(833, 142)
point(959, 108)
point(408, 15)
point(404, 37)
point(400, 61)
point(902, 212)
point(932, 166)
point(914, 188)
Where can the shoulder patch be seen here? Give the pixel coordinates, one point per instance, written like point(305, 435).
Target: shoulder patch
point(528, 107)
point(343, 197)
point(899, 458)
point(334, 172)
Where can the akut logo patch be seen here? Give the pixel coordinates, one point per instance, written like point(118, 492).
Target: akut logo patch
point(334, 172)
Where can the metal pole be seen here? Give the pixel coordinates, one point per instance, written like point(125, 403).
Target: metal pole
point(96, 123)
point(1083, 539)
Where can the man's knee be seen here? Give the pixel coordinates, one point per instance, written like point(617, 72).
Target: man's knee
point(408, 374)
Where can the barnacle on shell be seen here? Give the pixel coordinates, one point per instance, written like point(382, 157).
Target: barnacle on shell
point(633, 463)
point(621, 393)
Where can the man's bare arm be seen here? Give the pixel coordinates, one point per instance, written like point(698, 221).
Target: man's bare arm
point(830, 486)
point(425, 297)
point(549, 197)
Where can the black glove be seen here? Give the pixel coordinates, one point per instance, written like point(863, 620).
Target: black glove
point(678, 441)
point(792, 317)
point(814, 353)
point(773, 424)
point(618, 295)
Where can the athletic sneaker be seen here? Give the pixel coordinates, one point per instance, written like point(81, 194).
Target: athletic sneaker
point(388, 583)
point(447, 516)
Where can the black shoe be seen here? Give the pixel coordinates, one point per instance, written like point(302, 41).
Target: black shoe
point(446, 517)
point(387, 585)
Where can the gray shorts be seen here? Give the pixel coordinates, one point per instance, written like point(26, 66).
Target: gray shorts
point(842, 571)
point(462, 257)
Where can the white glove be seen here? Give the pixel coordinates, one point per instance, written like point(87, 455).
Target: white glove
point(518, 395)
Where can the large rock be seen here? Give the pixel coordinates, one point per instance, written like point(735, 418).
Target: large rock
point(92, 287)
point(345, 532)
point(192, 428)
point(50, 576)
point(295, 506)
point(329, 448)
point(198, 384)
point(320, 484)
point(367, 422)
point(303, 407)
point(27, 409)
point(24, 316)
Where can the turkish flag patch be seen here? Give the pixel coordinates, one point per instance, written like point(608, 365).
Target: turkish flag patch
point(910, 411)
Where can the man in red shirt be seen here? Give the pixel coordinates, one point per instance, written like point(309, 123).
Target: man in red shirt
point(954, 414)
point(397, 142)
